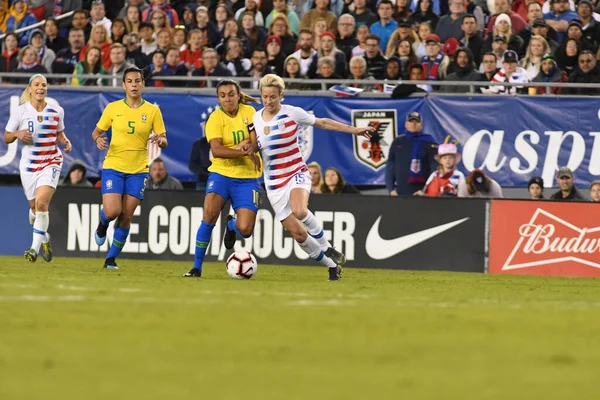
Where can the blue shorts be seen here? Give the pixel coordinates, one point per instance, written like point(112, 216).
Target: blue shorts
point(242, 192)
point(122, 183)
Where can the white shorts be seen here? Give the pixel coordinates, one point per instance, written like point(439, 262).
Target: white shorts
point(33, 180)
point(280, 198)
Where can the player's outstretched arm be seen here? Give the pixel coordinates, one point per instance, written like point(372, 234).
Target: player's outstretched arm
point(331, 125)
point(64, 140)
point(22, 135)
point(101, 142)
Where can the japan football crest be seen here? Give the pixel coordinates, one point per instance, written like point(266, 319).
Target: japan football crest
point(373, 152)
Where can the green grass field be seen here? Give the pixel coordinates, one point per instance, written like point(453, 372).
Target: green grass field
point(71, 330)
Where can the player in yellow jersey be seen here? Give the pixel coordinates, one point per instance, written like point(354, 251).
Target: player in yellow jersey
point(233, 174)
point(125, 168)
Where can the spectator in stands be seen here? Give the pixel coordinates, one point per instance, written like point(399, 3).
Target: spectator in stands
point(4, 14)
point(212, 36)
point(147, 39)
point(124, 13)
point(316, 177)
point(321, 10)
point(404, 90)
point(28, 63)
point(533, 58)
point(211, 66)
point(45, 55)
point(222, 14)
point(98, 16)
point(188, 17)
point(419, 45)
point(327, 48)
point(326, 69)
point(477, 184)
point(118, 64)
point(54, 41)
point(172, 17)
point(510, 72)
point(20, 18)
point(361, 37)
point(9, 60)
point(345, 39)
point(567, 56)
point(318, 29)
point(489, 67)
point(274, 54)
point(411, 158)
point(435, 63)
point(133, 19)
point(575, 31)
point(92, 64)
point(163, 40)
point(254, 35)
point(67, 59)
point(192, 55)
point(158, 69)
point(550, 73)
point(375, 60)
point(534, 14)
point(385, 27)
point(76, 175)
point(449, 49)
point(559, 18)
point(403, 32)
point(394, 70)
point(586, 72)
point(503, 27)
point(445, 181)
point(80, 21)
point(259, 69)
point(401, 10)
point(158, 20)
point(542, 29)
point(200, 162)
point(118, 30)
point(64, 7)
point(566, 183)
point(235, 61)
point(362, 14)
point(252, 7)
point(99, 38)
point(464, 71)
point(179, 38)
point(499, 46)
point(358, 71)
point(472, 37)
point(535, 187)
point(159, 177)
point(38, 8)
point(449, 25)
point(406, 54)
point(503, 7)
point(306, 55)
point(291, 69)
point(282, 7)
point(134, 51)
point(591, 27)
point(280, 27)
point(232, 30)
point(424, 13)
point(595, 190)
point(334, 182)
point(173, 60)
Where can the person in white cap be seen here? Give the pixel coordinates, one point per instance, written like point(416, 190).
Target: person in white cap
point(444, 182)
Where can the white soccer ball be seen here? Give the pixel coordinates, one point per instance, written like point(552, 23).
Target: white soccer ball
point(241, 265)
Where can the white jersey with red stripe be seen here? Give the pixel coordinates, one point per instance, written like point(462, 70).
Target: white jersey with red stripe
point(44, 127)
point(278, 142)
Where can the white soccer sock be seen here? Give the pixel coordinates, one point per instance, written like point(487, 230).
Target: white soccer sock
point(40, 227)
point(313, 249)
point(31, 217)
point(315, 230)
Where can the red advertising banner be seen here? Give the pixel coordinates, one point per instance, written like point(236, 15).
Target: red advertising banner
point(545, 238)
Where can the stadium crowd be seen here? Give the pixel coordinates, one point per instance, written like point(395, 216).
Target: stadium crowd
point(433, 40)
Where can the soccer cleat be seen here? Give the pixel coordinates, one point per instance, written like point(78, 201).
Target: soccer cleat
point(47, 250)
point(194, 273)
point(30, 255)
point(335, 273)
point(100, 234)
point(336, 256)
point(110, 263)
point(229, 238)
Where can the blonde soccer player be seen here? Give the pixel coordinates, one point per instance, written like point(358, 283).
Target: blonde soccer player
point(234, 171)
point(125, 168)
point(287, 178)
point(40, 127)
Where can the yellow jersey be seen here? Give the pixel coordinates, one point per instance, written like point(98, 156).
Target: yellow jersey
point(131, 128)
point(232, 131)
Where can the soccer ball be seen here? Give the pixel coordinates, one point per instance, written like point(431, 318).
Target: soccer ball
point(241, 265)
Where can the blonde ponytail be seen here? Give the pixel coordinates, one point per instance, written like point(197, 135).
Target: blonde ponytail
point(25, 96)
point(246, 99)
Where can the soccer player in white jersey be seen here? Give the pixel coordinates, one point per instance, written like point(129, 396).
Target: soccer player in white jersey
point(39, 126)
point(286, 175)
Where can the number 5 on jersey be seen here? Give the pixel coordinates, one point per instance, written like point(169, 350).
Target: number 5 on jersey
point(131, 125)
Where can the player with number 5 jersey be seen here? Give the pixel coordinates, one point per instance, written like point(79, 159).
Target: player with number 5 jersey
point(40, 127)
point(287, 179)
point(125, 168)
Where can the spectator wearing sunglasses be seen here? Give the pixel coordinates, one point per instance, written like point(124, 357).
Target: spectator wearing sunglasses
point(586, 72)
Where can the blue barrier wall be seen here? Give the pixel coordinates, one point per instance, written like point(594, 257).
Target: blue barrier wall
point(14, 216)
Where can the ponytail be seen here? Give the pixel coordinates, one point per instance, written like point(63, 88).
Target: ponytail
point(246, 99)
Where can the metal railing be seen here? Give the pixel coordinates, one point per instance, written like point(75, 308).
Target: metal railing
point(37, 24)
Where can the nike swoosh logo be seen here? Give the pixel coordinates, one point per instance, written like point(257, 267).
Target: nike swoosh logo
point(380, 249)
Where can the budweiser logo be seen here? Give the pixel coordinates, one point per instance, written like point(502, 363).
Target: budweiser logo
point(548, 239)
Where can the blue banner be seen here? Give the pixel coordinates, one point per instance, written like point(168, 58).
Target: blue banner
point(511, 138)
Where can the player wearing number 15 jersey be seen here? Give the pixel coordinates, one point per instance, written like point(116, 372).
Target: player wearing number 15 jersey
point(234, 171)
point(125, 168)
